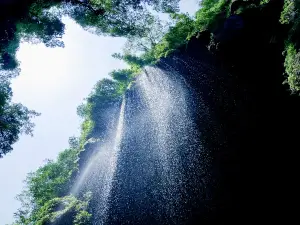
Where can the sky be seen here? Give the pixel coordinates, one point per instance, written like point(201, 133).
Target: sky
point(54, 81)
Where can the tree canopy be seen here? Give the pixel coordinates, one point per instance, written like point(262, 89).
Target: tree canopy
point(291, 16)
point(15, 119)
point(40, 20)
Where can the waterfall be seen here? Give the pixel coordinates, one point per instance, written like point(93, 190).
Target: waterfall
point(159, 174)
point(166, 101)
point(97, 176)
point(152, 167)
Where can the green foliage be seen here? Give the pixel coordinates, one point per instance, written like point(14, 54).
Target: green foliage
point(169, 37)
point(264, 1)
point(65, 210)
point(292, 67)
point(84, 111)
point(15, 119)
point(290, 16)
point(104, 95)
point(123, 75)
point(8, 60)
point(288, 13)
point(74, 143)
point(47, 188)
point(163, 39)
point(47, 29)
point(51, 180)
point(177, 36)
point(117, 23)
point(86, 129)
point(154, 30)
point(211, 14)
point(135, 62)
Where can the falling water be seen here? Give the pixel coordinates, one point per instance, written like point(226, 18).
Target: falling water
point(97, 176)
point(152, 167)
point(158, 168)
point(167, 104)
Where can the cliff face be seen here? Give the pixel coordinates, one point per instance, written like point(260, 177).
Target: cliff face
point(256, 120)
point(247, 128)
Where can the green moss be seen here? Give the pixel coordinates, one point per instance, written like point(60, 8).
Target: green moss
point(68, 208)
point(286, 14)
point(290, 16)
point(292, 68)
point(211, 14)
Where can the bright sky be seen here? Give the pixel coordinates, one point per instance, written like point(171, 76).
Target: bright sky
point(54, 82)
